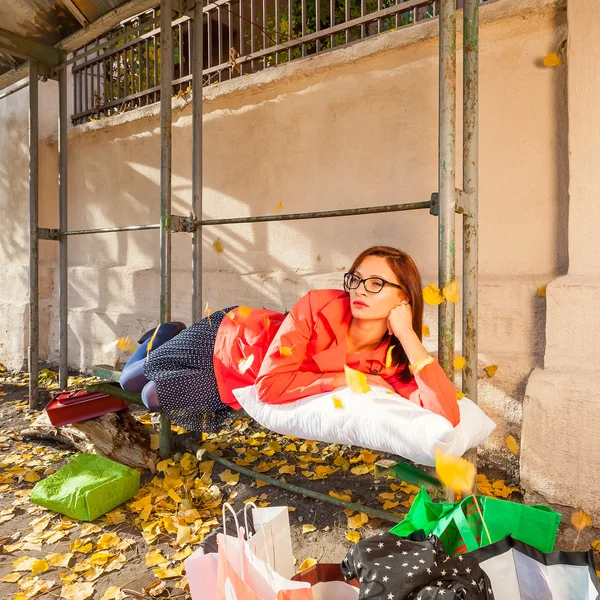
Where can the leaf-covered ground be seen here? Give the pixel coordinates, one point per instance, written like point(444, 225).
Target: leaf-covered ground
point(137, 550)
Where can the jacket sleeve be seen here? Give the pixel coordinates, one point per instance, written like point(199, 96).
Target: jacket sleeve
point(280, 378)
point(431, 389)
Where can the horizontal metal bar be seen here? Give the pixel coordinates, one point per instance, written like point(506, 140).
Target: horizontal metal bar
point(17, 88)
point(110, 230)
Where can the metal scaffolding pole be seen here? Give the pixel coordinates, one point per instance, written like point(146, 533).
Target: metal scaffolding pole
point(197, 64)
point(446, 179)
point(166, 86)
point(470, 189)
point(34, 321)
point(63, 372)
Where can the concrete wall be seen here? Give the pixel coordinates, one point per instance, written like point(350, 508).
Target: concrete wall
point(357, 127)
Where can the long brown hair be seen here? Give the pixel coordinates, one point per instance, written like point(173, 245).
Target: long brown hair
point(409, 280)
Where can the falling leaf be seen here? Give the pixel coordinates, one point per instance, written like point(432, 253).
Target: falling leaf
point(541, 291)
point(580, 520)
point(340, 496)
point(337, 403)
point(432, 295)
point(491, 370)
point(356, 380)
point(279, 206)
point(285, 351)
point(217, 245)
point(451, 291)
point(459, 395)
point(455, 473)
point(124, 344)
point(459, 362)
point(308, 528)
point(552, 60)
point(353, 536)
point(113, 593)
point(229, 478)
point(512, 444)
point(388, 356)
point(425, 330)
point(307, 564)
point(77, 591)
point(245, 363)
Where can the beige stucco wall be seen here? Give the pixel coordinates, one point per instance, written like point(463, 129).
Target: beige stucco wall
point(354, 128)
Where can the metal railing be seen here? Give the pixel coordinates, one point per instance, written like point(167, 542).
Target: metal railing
point(121, 70)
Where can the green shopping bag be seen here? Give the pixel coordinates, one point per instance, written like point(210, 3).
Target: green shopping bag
point(459, 524)
point(87, 487)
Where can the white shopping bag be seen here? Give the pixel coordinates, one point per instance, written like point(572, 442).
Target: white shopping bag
point(272, 541)
point(202, 571)
point(334, 590)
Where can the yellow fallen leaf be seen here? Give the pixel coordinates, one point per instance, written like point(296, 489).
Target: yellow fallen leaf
point(77, 591)
point(245, 363)
point(229, 478)
point(154, 559)
point(356, 380)
point(389, 504)
point(368, 457)
point(541, 291)
point(451, 291)
point(23, 563)
point(432, 294)
point(552, 60)
point(340, 496)
point(279, 206)
point(12, 577)
point(491, 370)
point(580, 520)
point(512, 444)
point(59, 560)
point(184, 535)
point(163, 573)
point(337, 403)
point(39, 566)
point(174, 496)
point(182, 554)
point(308, 528)
point(217, 245)
point(355, 521)
point(459, 362)
point(107, 540)
point(307, 564)
point(388, 356)
point(288, 469)
point(154, 441)
point(425, 330)
point(113, 593)
point(353, 536)
point(32, 477)
point(455, 473)
point(88, 529)
point(146, 512)
point(360, 470)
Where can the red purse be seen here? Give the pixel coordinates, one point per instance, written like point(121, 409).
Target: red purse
point(79, 405)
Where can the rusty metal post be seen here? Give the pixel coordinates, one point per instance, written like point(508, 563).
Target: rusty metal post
point(446, 179)
point(197, 64)
point(470, 191)
point(34, 298)
point(166, 85)
point(63, 289)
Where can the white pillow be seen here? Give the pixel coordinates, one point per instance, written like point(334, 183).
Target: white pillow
point(376, 420)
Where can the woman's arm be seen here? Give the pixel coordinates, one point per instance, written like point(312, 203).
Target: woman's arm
point(430, 388)
point(280, 379)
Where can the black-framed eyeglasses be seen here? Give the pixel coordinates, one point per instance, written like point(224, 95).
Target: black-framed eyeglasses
point(373, 285)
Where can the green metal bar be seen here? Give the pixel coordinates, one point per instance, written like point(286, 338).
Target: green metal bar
point(115, 390)
point(447, 184)
point(372, 512)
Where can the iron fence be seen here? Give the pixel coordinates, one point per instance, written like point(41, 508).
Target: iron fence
point(121, 70)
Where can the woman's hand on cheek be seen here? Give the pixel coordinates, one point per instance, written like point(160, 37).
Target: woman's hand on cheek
point(378, 381)
point(400, 319)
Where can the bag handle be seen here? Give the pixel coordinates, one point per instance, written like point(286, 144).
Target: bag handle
point(226, 505)
point(251, 504)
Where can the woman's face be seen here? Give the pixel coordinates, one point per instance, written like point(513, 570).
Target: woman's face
point(365, 305)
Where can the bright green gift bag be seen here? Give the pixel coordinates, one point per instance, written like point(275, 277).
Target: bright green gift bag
point(87, 487)
point(459, 525)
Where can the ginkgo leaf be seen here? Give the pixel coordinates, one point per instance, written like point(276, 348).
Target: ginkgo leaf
point(243, 311)
point(23, 563)
point(356, 380)
point(459, 395)
point(154, 559)
point(337, 403)
point(580, 520)
point(389, 504)
point(596, 545)
point(432, 295)
point(32, 477)
point(124, 344)
point(245, 363)
point(307, 564)
point(388, 356)
point(285, 351)
point(552, 60)
point(541, 291)
point(288, 469)
point(360, 470)
point(459, 362)
point(512, 444)
point(308, 528)
point(113, 593)
point(163, 573)
point(39, 566)
point(451, 291)
point(353, 536)
point(12, 577)
point(491, 370)
point(425, 330)
point(455, 473)
point(88, 529)
point(368, 457)
point(279, 206)
point(340, 496)
point(217, 245)
point(77, 591)
point(229, 478)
